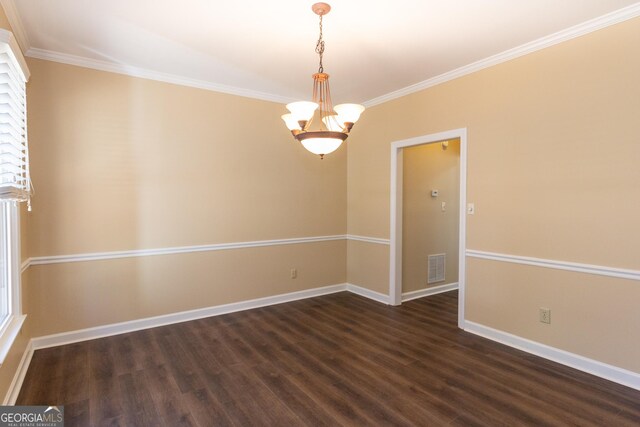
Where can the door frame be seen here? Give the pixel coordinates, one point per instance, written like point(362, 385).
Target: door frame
point(395, 250)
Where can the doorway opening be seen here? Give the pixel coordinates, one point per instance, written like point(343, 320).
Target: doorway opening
point(396, 223)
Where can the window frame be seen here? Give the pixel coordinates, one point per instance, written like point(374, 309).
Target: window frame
point(12, 324)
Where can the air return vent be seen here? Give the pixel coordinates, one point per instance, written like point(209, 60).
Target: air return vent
point(436, 268)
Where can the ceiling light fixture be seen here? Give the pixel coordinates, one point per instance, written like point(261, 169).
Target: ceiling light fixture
point(335, 122)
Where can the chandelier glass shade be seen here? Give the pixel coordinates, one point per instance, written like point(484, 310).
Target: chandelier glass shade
point(333, 123)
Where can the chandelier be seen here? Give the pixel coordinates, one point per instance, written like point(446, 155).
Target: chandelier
point(335, 122)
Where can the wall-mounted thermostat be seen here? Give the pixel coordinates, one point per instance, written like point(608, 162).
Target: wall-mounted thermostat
point(434, 193)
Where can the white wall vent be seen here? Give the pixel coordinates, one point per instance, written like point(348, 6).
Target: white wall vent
point(436, 268)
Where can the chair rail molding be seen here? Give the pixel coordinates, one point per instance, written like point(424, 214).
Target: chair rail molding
point(600, 270)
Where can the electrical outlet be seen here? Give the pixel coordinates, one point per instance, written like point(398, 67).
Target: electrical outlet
point(545, 315)
point(294, 273)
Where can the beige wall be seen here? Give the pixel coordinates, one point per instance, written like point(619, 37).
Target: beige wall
point(122, 163)
point(426, 229)
point(593, 316)
point(368, 265)
point(88, 294)
point(553, 171)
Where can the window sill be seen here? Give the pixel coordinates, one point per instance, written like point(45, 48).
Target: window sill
point(9, 335)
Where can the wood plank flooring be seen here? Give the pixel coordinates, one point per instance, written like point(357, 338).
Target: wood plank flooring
point(336, 360)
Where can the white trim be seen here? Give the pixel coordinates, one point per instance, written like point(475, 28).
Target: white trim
point(395, 214)
point(590, 26)
point(590, 366)
point(619, 375)
point(184, 316)
point(16, 384)
point(395, 219)
point(152, 322)
point(15, 268)
point(462, 232)
point(10, 332)
point(420, 293)
point(129, 70)
point(13, 16)
point(368, 293)
point(8, 38)
point(167, 319)
point(13, 324)
point(368, 239)
point(95, 256)
point(599, 270)
point(57, 259)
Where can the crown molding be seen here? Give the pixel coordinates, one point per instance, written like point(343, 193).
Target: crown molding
point(16, 23)
point(144, 73)
point(587, 27)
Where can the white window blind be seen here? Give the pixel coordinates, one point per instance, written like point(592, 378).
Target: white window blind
point(15, 183)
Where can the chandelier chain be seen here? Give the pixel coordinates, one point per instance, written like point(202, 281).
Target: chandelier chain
point(320, 47)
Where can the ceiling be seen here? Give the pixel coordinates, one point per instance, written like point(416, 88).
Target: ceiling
point(374, 49)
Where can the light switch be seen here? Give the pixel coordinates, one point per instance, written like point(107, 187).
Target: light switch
point(434, 193)
point(444, 206)
point(471, 208)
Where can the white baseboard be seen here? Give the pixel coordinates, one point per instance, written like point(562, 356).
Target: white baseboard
point(184, 316)
point(408, 296)
point(368, 293)
point(70, 337)
point(590, 366)
point(16, 384)
point(609, 372)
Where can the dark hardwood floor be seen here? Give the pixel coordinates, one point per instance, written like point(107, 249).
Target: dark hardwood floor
point(334, 360)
